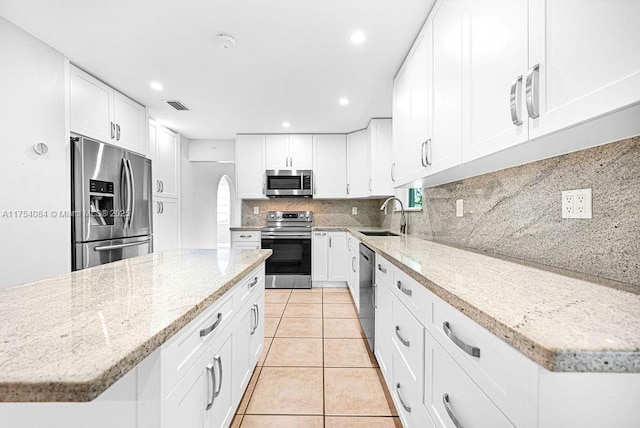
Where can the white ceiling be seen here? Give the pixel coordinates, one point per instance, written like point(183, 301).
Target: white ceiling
point(293, 59)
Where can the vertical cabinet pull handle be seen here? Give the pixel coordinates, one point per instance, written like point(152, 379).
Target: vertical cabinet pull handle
point(291, 161)
point(212, 376)
point(353, 264)
point(406, 291)
point(371, 184)
point(254, 323)
point(218, 360)
point(263, 189)
point(427, 152)
point(329, 242)
point(347, 188)
point(471, 350)
point(117, 132)
point(373, 295)
point(447, 406)
point(407, 408)
point(402, 340)
point(113, 130)
point(393, 168)
point(533, 92)
point(514, 101)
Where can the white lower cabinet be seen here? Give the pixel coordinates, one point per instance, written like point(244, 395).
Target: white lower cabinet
point(328, 257)
point(245, 239)
point(166, 224)
point(407, 394)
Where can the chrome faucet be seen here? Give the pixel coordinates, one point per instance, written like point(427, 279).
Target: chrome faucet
point(403, 218)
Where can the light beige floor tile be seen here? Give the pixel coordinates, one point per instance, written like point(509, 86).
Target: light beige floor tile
point(339, 310)
point(387, 395)
point(361, 422)
point(300, 327)
point(308, 290)
point(348, 353)
point(288, 391)
point(247, 394)
point(277, 296)
point(354, 391)
point(303, 310)
point(265, 350)
point(291, 352)
point(270, 326)
point(305, 297)
point(273, 310)
point(237, 420)
point(337, 298)
point(343, 290)
point(345, 328)
point(269, 421)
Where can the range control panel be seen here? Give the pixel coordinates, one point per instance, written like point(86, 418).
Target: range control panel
point(289, 217)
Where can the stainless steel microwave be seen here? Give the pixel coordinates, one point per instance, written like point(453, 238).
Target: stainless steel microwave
point(282, 182)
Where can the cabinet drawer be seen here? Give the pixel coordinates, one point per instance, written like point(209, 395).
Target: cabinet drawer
point(451, 394)
point(248, 287)
point(499, 370)
point(384, 270)
point(183, 349)
point(414, 295)
point(407, 395)
point(240, 236)
point(407, 334)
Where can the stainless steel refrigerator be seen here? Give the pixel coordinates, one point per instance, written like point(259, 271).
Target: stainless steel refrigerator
point(110, 203)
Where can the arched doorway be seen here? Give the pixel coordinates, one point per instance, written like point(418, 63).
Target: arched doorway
point(224, 212)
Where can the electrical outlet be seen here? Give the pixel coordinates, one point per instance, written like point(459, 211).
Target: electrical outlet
point(256, 210)
point(354, 210)
point(460, 208)
point(576, 203)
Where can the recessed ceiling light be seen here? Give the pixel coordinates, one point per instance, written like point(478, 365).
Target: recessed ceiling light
point(357, 37)
point(226, 40)
point(157, 86)
point(344, 101)
point(286, 124)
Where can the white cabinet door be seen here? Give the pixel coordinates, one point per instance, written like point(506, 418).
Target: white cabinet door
point(358, 164)
point(401, 167)
point(319, 254)
point(166, 160)
point(223, 407)
point(337, 263)
point(382, 342)
point(250, 166)
point(166, 224)
point(257, 338)
point(277, 152)
point(380, 140)
point(445, 149)
point(495, 63)
point(330, 166)
point(421, 88)
point(301, 151)
point(90, 106)
point(588, 58)
point(131, 124)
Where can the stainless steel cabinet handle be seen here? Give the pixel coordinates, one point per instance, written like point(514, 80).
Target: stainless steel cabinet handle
point(514, 102)
point(402, 339)
point(373, 295)
point(263, 189)
point(254, 282)
point(407, 408)
point(254, 323)
point(393, 168)
point(118, 246)
point(353, 264)
point(286, 161)
point(162, 186)
point(113, 130)
point(381, 269)
point(533, 92)
point(212, 376)
point(315, 188)
point(245, 236)
point(117, 132)
point(371, 184)
point(347, 188)
point(471, 350)
point(206, 331)
point(291, 161)
point(161, 207)
point(406, 291)
point(218, 359)
point(427, 152)
point(329, 242)
point(447, 407)
point(157, 186)
point(422, 154)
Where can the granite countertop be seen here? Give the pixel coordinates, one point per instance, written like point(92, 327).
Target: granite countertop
point(71, 337)
point(564, 321)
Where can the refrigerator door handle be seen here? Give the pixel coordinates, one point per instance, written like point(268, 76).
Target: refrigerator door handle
point(117, 246)
point(133, 193)
point(124, 192)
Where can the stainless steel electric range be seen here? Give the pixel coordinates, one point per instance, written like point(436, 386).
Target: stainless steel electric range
point(288, 234)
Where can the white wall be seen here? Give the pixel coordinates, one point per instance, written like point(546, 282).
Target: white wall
point(199, 188)
point(32, 110)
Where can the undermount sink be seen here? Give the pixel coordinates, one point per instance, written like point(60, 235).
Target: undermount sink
point(377, 233)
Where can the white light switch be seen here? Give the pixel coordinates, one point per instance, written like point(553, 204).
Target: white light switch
point(256, 210)
point(460, 208)
point(354, 210)
point(576, 203)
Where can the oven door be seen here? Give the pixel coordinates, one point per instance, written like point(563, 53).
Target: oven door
point(290, 264)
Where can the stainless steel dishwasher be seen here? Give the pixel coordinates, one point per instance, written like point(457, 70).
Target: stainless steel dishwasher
point(367, 300)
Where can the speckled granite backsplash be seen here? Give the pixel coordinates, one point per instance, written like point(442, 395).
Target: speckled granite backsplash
point(327, 212)
point(517, 212)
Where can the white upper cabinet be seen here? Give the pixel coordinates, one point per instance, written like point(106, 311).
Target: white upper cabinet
point(289, 151)
point(330, 166)
point(588, 60)
point(495, 65)
point(164, 150)
point(403, 158)
point(98, 111)
point(379, 140)
point(250, 166)
point(358, 164)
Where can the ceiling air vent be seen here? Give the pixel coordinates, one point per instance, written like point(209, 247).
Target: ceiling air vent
point(177, 105)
